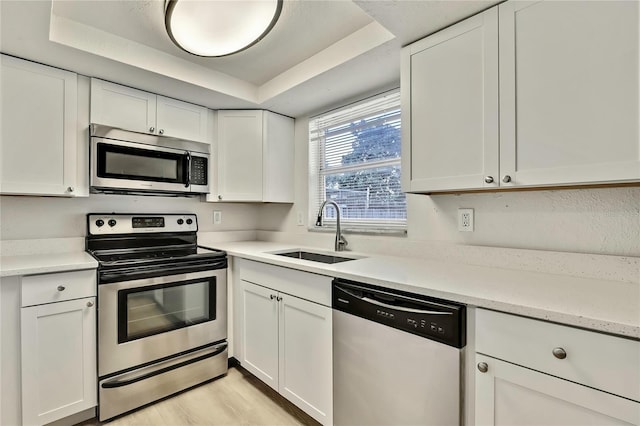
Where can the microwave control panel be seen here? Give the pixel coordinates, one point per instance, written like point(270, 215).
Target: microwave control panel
point(198, 170)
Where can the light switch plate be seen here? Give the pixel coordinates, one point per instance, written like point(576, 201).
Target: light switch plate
point(300, 218)
point(217, 217)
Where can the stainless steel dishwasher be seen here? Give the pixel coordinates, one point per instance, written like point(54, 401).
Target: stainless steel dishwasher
point(397, 357)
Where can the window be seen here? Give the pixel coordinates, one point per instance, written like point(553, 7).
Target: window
point(354, 160)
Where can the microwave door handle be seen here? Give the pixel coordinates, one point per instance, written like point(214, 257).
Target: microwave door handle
point(188, 182)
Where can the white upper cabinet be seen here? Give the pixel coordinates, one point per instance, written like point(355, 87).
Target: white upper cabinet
point(140, 111)
point(569, 83)
point(567, 92)
point(255, 151)
point(450, 107)
point(181, 119)
point(39, 132)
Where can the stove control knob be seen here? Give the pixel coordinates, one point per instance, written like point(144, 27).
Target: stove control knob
point(99, 223)
point(112, 222)
point(180, 221)
point(189, 221)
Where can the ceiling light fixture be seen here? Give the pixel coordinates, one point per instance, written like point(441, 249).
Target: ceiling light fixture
point(215, 28)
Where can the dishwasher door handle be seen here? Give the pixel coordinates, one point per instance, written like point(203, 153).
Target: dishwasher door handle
point(385, 305)
point(403, 309)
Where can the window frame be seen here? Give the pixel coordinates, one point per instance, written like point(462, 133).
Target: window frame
point(383, 103)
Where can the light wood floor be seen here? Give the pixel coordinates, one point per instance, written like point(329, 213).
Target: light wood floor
point(236, 399)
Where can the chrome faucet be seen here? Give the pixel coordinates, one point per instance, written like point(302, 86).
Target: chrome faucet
point(341, 242)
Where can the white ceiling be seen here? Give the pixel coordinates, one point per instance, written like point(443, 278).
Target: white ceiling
point(320, 53)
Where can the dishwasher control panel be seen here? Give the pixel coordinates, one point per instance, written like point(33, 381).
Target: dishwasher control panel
point(436, 319)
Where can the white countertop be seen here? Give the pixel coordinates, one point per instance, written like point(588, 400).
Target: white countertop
point(602, 305)
point(45, 263)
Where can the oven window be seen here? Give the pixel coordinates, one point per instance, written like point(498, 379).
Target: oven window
point(123, 162)
point(143, 312)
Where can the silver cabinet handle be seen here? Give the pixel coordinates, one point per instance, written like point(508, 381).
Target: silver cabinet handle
point(559, 353)
point(61, 288)
point(279, 299)
point(219, 197)
point(89, 304)
point(161, 131)
point(152, 129)
point(272, 296)
point(506, 178)
point(70, 189)
point(488, 179)
point(483, 367)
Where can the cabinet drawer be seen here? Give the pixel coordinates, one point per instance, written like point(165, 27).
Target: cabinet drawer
point(48, 288)
point(598, 360)
point(312, 287)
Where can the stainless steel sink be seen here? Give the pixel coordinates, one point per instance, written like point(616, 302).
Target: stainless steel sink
point(315, 257)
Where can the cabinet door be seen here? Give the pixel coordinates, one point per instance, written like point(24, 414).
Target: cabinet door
point(122, 107)
point(450, 107)
point(306, 372)
point(260, 332)
point(278, 151)
point(38, 134)
point(181, 119)
point(240, 155)
point(569, 82)
point(58, 360)
point(511, 395)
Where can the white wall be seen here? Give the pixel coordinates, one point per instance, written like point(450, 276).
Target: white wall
point(597, 221)
point(52, 217)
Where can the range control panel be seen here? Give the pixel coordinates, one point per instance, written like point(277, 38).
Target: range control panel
point(439, 320)
point(107, 224)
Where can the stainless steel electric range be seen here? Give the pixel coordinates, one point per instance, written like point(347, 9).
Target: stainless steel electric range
point(162, 308)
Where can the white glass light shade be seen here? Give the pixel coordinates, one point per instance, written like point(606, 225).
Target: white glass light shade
point(219, 27)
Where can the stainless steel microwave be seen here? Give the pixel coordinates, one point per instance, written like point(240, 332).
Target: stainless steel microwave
point(137, 163)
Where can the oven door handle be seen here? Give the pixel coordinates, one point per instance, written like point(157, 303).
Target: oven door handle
point(138, 378)
point(136, 273)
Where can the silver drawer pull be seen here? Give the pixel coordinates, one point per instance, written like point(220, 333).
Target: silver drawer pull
point(89, 304)
point(61, 288)
point(483, 367)
point(559, 353)
point(272, 296)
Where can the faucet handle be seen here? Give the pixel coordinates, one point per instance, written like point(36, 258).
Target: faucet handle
point(319, 219)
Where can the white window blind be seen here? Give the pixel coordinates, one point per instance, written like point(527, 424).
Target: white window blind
point(354, 160)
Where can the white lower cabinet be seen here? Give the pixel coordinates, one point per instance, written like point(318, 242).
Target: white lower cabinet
point(260, 333)
point(286, 340)
point(507, 394)
point(530, 372)
point(58, 342)
point(287, 345)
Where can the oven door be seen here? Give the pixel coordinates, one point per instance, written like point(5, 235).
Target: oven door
point(146, 320)
point(121, 165)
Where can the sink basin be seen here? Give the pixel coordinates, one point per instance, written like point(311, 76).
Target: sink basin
point(315, 257)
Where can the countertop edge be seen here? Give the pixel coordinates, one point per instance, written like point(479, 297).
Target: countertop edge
point(11, 266)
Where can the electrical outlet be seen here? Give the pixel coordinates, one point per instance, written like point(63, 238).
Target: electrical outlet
point(465, 220)
point(300, 218)
point(217, 217)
